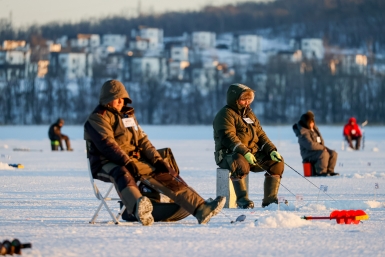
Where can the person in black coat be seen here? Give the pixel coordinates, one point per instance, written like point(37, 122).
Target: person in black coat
point(313, 147)
point(56, 137)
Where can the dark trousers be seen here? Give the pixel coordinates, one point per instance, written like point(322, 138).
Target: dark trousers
point(326, 161)
point(171, 185)
point(357, 140)
point(236, 163)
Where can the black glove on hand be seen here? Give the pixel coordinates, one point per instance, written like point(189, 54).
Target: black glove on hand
point(161, 166)
point(133, 169)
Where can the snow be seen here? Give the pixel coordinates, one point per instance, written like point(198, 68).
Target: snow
point(281, 220)
point(5, 166)
point(50, 202)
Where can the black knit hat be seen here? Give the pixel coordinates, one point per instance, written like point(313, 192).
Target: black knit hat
point(306, 118)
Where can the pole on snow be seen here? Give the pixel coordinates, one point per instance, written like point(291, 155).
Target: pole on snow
point(343, 217)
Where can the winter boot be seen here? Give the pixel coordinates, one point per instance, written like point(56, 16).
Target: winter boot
point(143, 211)
point(208, 209)
point(240, 189)
point(271, 186)
point(129, 197)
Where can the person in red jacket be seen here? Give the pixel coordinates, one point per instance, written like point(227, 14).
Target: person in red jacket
point(352, 132)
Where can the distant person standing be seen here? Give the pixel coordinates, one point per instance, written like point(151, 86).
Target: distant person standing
point(352, 132)
point(56, 137)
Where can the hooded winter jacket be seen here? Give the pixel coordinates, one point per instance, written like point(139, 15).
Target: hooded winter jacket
point(310, 141)
point(352, 130)
point(237, 129)
point(107, 138)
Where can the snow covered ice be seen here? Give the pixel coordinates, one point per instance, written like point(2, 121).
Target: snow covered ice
point(50, 202)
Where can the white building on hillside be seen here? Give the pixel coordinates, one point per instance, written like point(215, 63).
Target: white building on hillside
point(153, 35)
point(179, 53)
point(87, 40)
point(15, 60)
point(147, 67)
point(118, 42)
point(203, 39)
point(247, 44)
point(312, 48)
point(71, 65)
point(178, 62)
point(118, 66)
point(139, 44)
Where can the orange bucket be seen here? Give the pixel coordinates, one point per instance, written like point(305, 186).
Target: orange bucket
point(307, 169)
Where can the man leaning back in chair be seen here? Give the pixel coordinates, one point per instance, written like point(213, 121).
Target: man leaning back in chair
point(120, 152)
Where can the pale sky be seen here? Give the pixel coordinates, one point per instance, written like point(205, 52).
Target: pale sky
point(27, 12)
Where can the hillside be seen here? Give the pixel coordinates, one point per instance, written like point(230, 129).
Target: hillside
point(348, 23)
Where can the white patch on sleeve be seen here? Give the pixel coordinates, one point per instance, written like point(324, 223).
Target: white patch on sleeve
point(235, 147)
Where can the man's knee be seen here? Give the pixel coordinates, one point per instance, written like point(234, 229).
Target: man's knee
point(277, 169)
point(239, 165)
point(324, 155)
point(122, 177)
point(333, 154)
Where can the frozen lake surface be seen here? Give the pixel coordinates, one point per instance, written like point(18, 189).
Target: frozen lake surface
point(50, 202)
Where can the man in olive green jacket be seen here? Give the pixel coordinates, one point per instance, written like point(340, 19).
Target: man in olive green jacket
point(120, 152)
point(242, 146)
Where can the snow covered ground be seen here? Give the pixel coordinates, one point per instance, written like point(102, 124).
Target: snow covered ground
point(50, 202)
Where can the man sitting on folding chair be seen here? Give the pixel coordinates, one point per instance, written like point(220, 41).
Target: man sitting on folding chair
point(120, 152)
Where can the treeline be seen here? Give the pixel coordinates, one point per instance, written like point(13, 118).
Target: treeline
point(284, 90)
point(347, 23)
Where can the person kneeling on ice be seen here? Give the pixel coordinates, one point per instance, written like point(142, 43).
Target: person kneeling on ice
point(242, 146)
point(120, 152)
point(352, 132)
point(56, 137)
point(312, 146)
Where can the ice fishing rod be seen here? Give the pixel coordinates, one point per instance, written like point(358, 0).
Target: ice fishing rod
point(307, 179)
point(343, 217)
point(273, 177)
point(281, 184)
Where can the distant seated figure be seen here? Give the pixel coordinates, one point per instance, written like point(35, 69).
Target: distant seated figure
point(313, 147)
point(352, 132)
point(56, 137)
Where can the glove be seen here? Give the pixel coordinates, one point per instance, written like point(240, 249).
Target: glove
point(275, 156)
point(161, 166)
point(132, 168)
point(250, 158)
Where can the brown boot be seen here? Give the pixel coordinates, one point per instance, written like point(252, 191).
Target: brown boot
point(208, 209)
point(240, 189)
point(271, 186)
point(129, 196)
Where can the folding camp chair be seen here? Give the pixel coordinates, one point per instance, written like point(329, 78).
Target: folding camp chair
point(103, 200)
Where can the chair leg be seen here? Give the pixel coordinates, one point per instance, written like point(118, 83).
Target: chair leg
point(110, 212)
point(121, 212)
point(96, 213)
point(103, 200)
